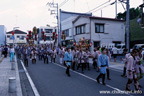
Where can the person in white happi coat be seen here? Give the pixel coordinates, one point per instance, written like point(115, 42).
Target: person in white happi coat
point(61, 55)
point(86, 58)
point(33, 54)
point(95, 57)
point(125, 61)
point(73, 51)
point(131, 72)
point(53, 55)
point(81, 59)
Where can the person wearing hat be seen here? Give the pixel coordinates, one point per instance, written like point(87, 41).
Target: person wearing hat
point(68, 60)
point(103, 64)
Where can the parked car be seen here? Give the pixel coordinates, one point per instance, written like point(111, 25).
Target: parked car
point(120, 48)
point(137, 46)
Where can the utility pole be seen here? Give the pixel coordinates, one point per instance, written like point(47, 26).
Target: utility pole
point(127, 26)
point(101, 13)
point(55, 12)
point(116, 9)
point(142, 13)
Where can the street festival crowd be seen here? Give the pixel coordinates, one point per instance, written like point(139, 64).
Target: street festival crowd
point(76, 58)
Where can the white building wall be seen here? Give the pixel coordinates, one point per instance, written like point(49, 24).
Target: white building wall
point(113, 31)
point(82, 21)
point(17, 40)
point(67, 24)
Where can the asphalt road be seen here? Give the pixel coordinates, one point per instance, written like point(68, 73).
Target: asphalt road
point(51, 80)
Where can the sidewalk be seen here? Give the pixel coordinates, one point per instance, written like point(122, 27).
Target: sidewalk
point(5, 74)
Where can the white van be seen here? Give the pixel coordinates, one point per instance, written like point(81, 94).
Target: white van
point(120, 48)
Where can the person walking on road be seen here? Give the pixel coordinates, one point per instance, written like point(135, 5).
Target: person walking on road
point(95, 57)
point(5, 51)
point(125, 62)
point(115, 52)
point(68, 60)
point(53, 55)
point(103, 64)
point(131, 72)
point(108, 71)
point(81, 59)
point(86, 59)
point(11, 53)
point(25, 53)
point(45, 56)
point(73, 54)
point(34, 54)
point(61, 55)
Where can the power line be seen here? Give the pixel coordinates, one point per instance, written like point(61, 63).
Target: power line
point(63, 3)
point(99, 6)
point(102, 7)
point(106, 6)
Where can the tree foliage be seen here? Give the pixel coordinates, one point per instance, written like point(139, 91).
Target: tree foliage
point(134, 12)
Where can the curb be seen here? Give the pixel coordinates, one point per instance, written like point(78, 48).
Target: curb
point(18, 86)
point(36, 93)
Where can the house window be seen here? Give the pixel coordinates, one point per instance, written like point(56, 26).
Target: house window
point(80, 29)
point(66, 32)
point(21, 37)
point(8, 36)
point(99, 28)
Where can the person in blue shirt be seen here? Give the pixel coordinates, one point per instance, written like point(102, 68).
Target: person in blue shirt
point(103, 64)
point(68, 58)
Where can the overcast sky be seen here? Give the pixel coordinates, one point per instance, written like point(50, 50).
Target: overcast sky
point(29, 13)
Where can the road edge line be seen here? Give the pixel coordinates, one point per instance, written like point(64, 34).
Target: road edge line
point(36, 93)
